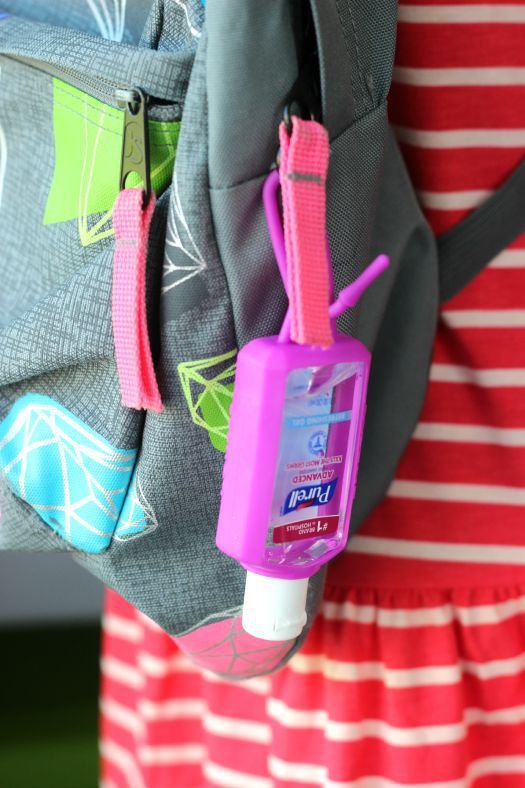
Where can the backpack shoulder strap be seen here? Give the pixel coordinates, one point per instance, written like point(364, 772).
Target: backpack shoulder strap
point(469, 246)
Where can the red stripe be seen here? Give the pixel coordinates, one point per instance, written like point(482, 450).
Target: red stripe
point(418, 106)
point(360, 571)
point(119, 692)
point(462, 45)
point(242, 704)
point(430, 646)
point(116, 733)
point(162, 776)
point(182, 730)
point(438, 705)
point(492, 289)
point(116, 604)
point(500, 349)
point(113, 774)
point(347, 700)
point(122, 649)
point(468, 404)
point(464, 463)
point(442, 521)
point(433, 763)
point(456, 170)
point(248, 757)
point(443, 221)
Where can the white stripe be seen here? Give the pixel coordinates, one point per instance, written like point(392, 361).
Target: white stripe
point(403, 678)
point(122, 716)
point(511, 258)
point(123, 760)
point(470, 14)
point(496, 668)
point(394, 678)
point(231, 778)
point(451, 373)
point(385, 617)
point(420, 736)
point(417, 736)
point(453, 201)
point(158, 667)
point(259, 686)
point(509, 716)
point(461, 493)
point(437, 616)
point(172, 709)
point(245, 730)
point(122, 628)
point(469, 433)
point(437, 551)
point(462, 138)
point(484, 318)
point(313, 774)
point(443, 77)
point(171, 753)
point(121, 672)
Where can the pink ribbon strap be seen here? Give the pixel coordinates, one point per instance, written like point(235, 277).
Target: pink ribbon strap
point(131, 222)
point(303, 170)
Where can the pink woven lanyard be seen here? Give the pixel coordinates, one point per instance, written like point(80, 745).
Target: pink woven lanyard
point(131, 222)
point(303, 170)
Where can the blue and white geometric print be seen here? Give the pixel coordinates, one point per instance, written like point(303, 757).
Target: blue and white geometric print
point(69, 474)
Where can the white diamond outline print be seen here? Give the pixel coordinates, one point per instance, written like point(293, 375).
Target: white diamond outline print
point(137, 516)
point(173, 273)
point(66, 471)
point(109, 17)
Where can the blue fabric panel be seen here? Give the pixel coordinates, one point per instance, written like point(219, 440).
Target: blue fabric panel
point(73, 477)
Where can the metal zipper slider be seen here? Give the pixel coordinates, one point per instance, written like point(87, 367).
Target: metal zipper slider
point(135, 143)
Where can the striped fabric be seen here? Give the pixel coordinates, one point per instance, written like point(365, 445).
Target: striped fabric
point(414, 673)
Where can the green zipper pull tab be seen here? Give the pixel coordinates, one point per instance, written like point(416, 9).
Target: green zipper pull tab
point(135, 143)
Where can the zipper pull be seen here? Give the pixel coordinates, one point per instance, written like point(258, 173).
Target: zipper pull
point(135, 142)
point(132, 215)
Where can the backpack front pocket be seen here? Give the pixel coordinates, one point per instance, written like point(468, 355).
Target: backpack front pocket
point(68, 447)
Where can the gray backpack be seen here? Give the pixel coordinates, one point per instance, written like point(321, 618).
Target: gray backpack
point(134, 494)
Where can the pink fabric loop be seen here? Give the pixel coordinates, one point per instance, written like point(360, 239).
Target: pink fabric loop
point(131, 222)
point(303, 169)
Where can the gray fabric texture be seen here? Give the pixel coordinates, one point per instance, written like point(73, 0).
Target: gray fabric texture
point(103, 64)
point(396, 318)
point(173, 27)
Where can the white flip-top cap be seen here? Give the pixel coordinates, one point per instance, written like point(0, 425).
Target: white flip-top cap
point(274, 608)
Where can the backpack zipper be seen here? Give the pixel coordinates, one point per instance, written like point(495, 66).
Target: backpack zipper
point(135, 132)
point(304, 99)
point(106, 90)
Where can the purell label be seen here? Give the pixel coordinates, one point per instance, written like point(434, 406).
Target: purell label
point(306, 529)
point(300, 497)
point(312, 476)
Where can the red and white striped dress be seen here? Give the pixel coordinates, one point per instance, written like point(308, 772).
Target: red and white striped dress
point(414, 672)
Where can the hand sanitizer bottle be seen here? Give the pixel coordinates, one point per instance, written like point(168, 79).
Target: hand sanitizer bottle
point(296, 426)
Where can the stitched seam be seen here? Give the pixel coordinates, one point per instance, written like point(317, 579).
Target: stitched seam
point(356, 45)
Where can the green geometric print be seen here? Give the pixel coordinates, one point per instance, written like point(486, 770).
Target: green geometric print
point(88, 141)
point(208, 388)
